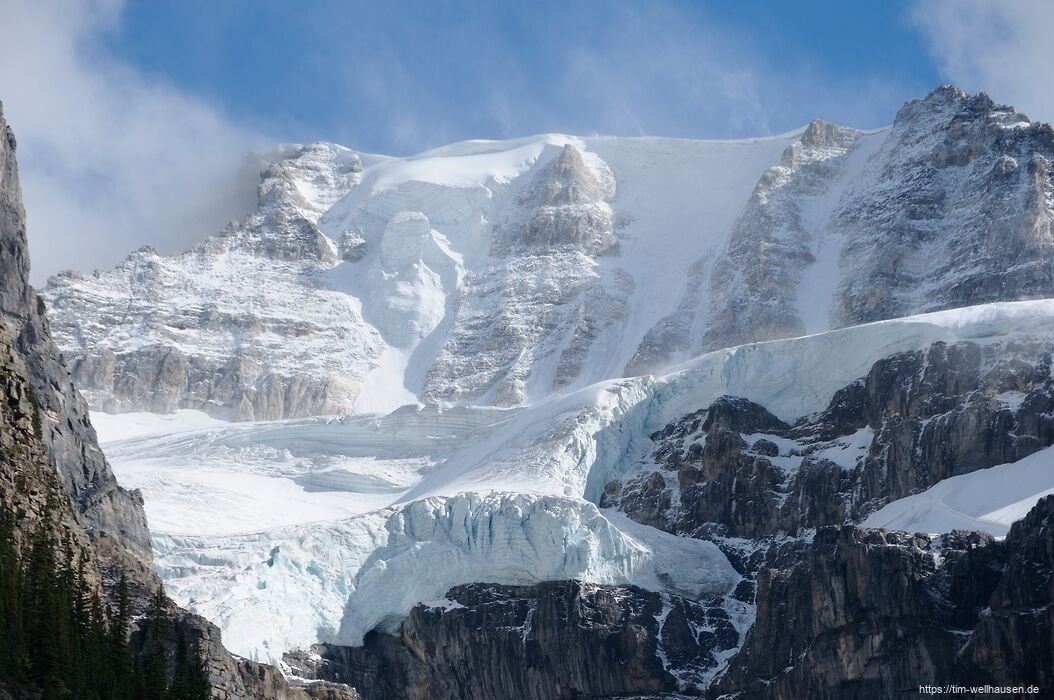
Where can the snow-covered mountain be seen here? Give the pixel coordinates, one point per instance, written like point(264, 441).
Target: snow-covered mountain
point(495, 273)
point(680, 373)
point(482, 272)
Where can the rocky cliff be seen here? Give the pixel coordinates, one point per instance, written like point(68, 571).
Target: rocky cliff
point(954, 210)
point(865, 614)
point(848, 613)
point(166, 326)
point(561, 639)
point(543, 296)
point(949, 207)
point(826, 608)
point(108, 510)
point(53, 474)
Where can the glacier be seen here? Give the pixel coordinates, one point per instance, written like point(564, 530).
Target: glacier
point(287, 533)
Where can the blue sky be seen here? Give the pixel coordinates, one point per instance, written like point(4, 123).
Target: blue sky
point(134, 117)
point(399, 77)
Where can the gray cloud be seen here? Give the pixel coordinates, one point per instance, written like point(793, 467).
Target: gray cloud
point(1002, 48)
point(111, 159)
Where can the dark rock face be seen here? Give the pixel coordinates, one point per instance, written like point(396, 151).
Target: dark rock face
point(233, 677)
point(722, 473)
point(949, 411)
point(857, 613)
point(852, 613)
point(29, 485)
point(865, 614)
point(1015, 638)
point(544, 642)
point(734, 469)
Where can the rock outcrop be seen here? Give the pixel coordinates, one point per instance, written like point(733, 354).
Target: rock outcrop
point(1013, 637)
point(950, 207)
point(734, 469)
point(243, 325)
point(864, 614)
point(755, 283)
point(543, 297)
point(954, 210)
point(848, 612)
point(109, 511)
point(555, 640)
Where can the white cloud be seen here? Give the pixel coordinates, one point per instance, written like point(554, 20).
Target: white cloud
point(1002, 48)
point(110, 159)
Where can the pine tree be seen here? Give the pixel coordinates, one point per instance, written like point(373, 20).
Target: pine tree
point(100, 678)
point(14, 655)
point(57, 643)
point(179, 689)
point(81, 623)
point(42, 615)
point(120, 657)
point(155, 681)
point(198, 686)
point(70, 671)
point(136, 688)
point(191, 679)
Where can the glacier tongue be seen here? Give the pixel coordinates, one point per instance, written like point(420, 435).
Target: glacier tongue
point(283, 589)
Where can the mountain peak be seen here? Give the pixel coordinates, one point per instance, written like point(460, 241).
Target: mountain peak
point(820, 133)
point(309, 178)
point(947, 103)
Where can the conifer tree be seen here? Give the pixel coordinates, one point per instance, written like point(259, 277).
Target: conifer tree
point(43, 616)
point(120, 661)
point(198, 686)
point(155, 681)
point(14, 657)
point(56, 642)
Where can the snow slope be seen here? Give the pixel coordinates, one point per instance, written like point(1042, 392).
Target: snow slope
point(988, 500)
